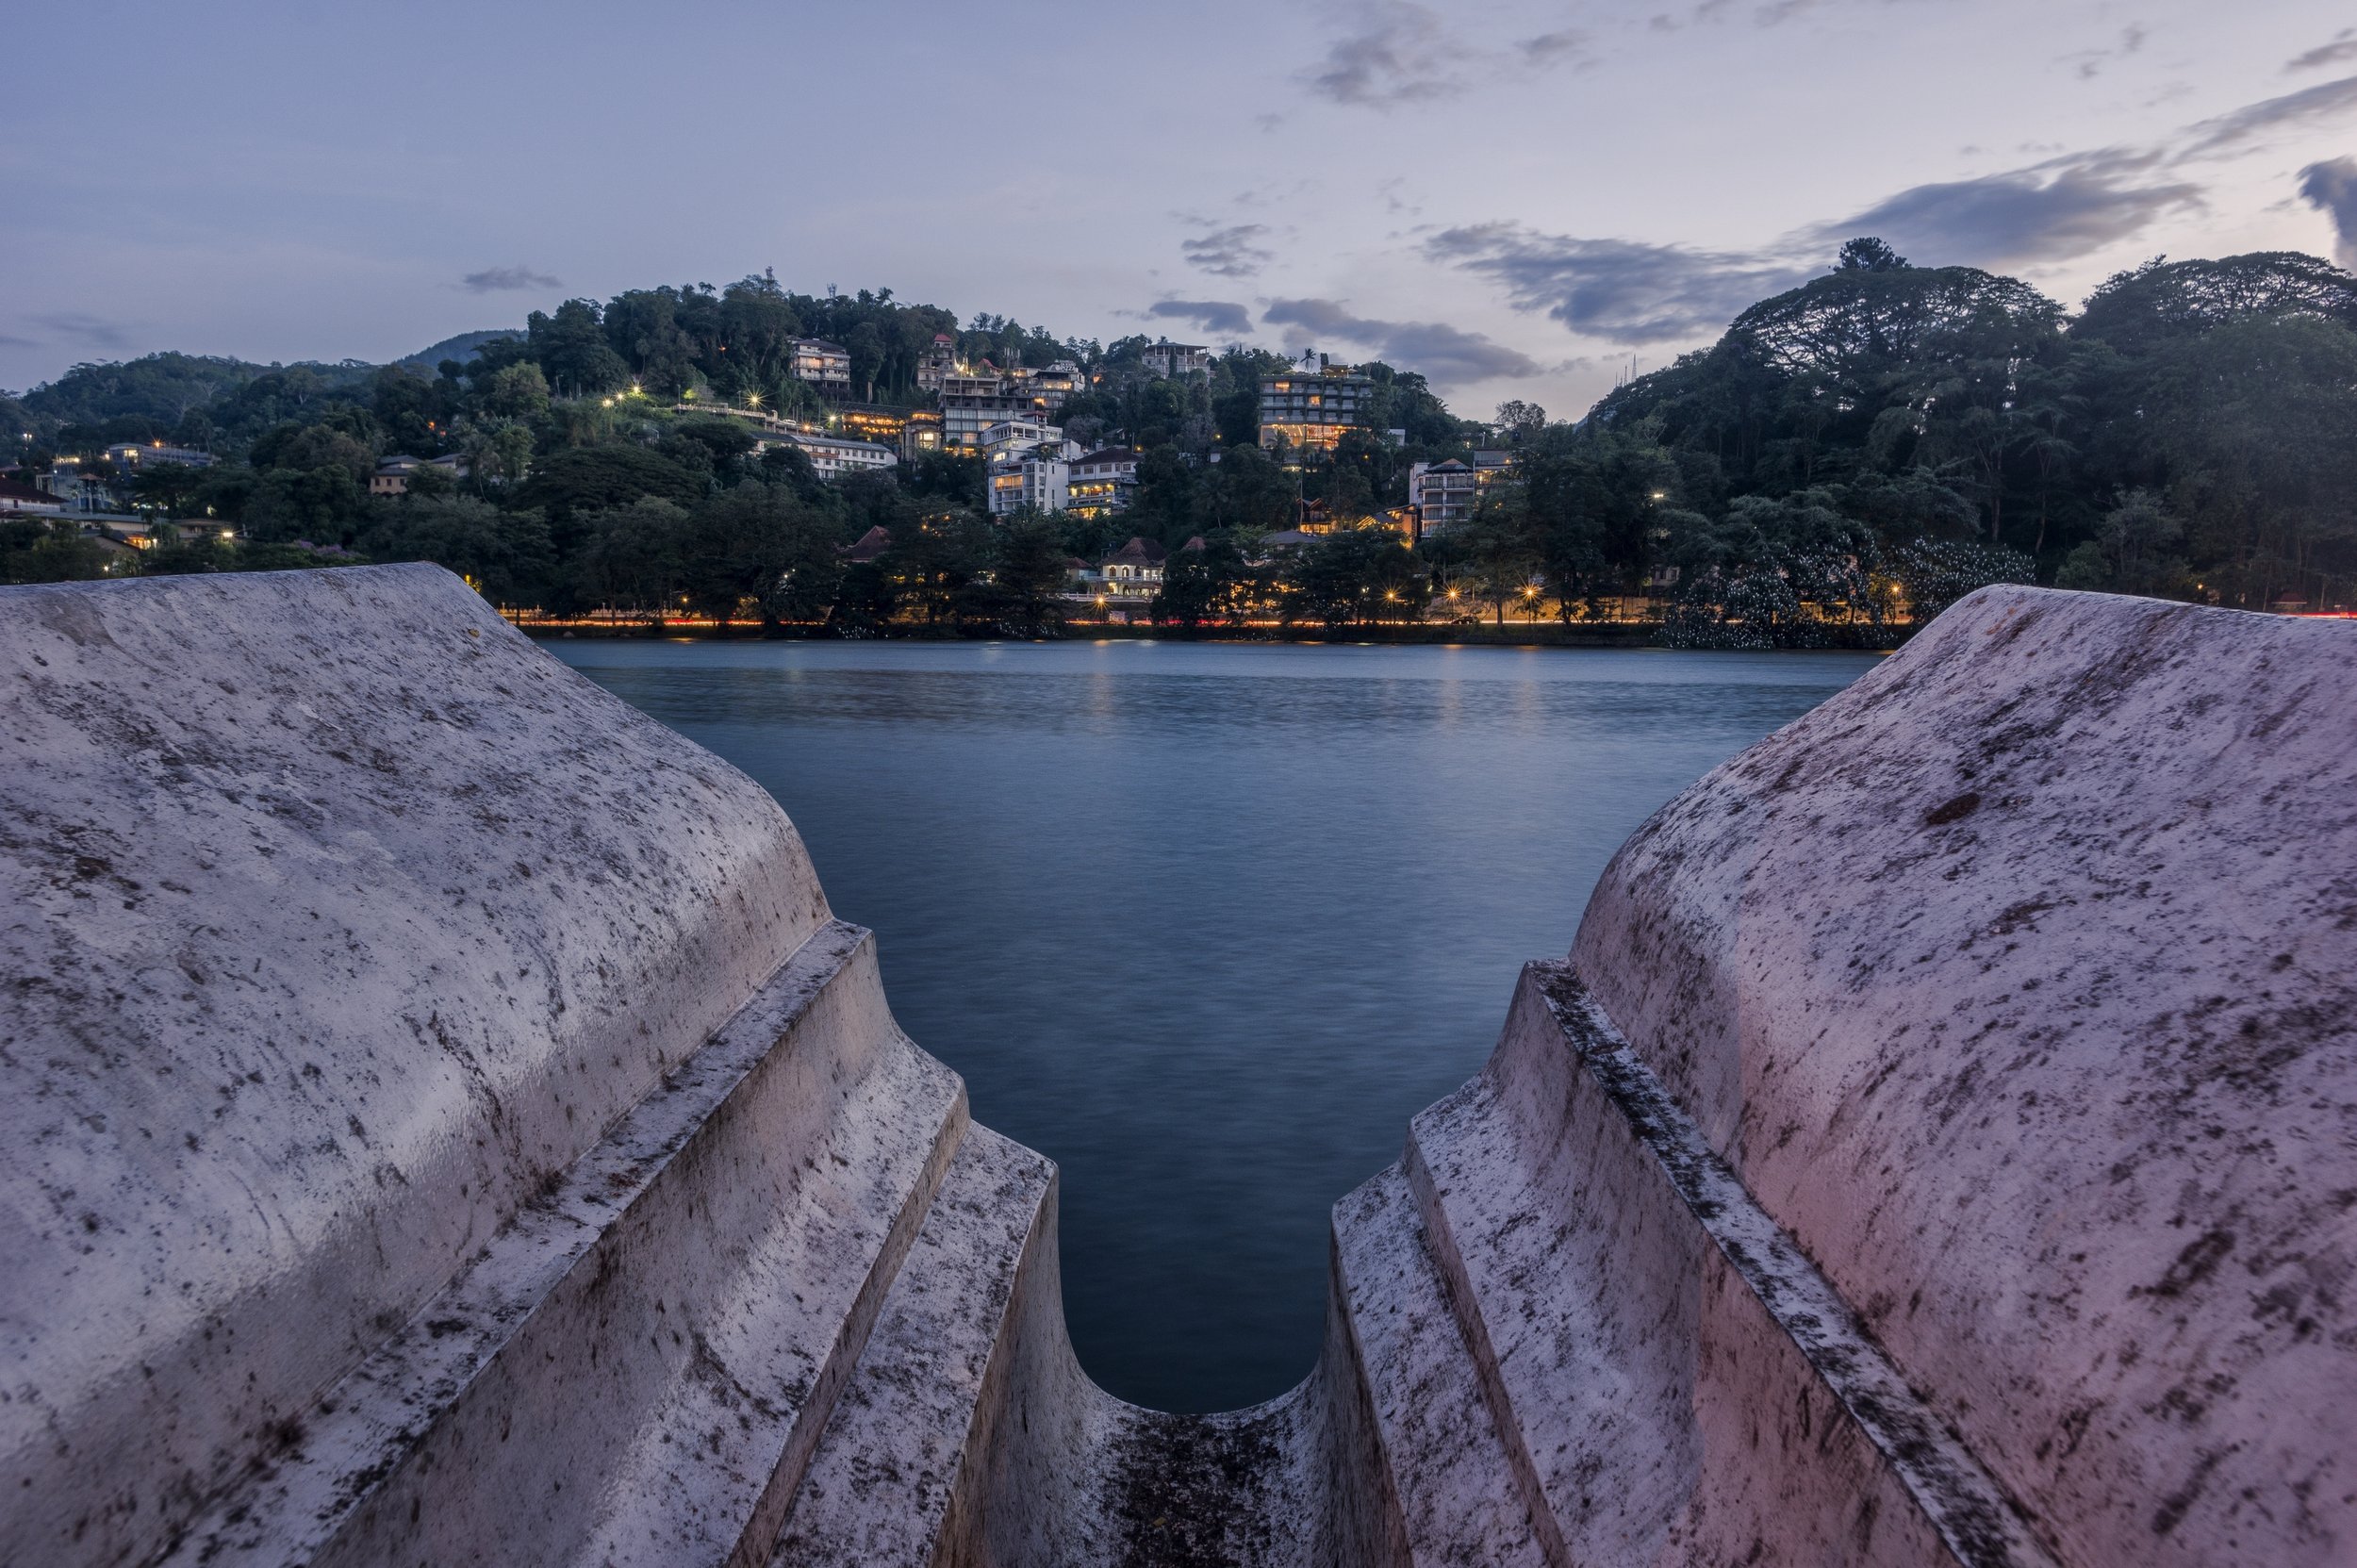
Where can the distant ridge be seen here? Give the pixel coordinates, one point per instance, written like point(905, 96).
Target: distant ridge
point(463, 347)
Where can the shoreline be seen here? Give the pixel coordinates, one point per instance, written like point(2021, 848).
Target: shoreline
point(1610, 635)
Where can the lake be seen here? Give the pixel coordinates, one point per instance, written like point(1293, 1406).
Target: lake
point(1206, 923)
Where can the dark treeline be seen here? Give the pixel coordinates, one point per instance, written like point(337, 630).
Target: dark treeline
point(1890, 433)
point(1852, 454)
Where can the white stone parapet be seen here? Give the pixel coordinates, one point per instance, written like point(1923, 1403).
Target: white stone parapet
point(445, 1124)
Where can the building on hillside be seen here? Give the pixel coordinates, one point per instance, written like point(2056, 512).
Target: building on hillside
point(837, 456)
point(18, 497)
point(1132, 576)
point(1037, 477)
point(1170, 360)
point(973, 398)
point(920, 434)
point(972, 404)
point(1441, 495)
point(870, 421)
point(392, 475)
point(826, 366)
point(937, 363)
point(1313, 405)
point(1490, 466)
point(76, 491)
point(130, 457)
point(1006, 435)
point(1048, 387)
point(1104, 482)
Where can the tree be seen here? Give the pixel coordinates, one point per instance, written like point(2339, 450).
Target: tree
point(506, 555)
point(572, 349)
point(1031, 576)
point(762, 544)
point(2135, 550)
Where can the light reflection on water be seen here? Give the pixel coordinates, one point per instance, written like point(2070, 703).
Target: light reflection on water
point(1208, 923)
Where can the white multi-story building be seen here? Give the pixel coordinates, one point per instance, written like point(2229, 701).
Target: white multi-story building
point(130, 457)
point(837, 456)
point(938, 363)
point(1104, 482)
point(1443, 495)
point(972, 400)
point(1313, 405)
point(1048, 387)
point(1168, 359)
point(1132, 575)
point(824, 365)
point(998, 440)
point(1038, 477)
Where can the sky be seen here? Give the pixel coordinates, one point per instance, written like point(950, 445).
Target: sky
point(1519, 199)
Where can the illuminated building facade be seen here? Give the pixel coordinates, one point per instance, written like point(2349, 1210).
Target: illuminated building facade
point(826, 366)
point(1104, 482)
point(1313, 405)
point(937, 364)
point(1442, 494)
point(921, 434)
point(1038, 477)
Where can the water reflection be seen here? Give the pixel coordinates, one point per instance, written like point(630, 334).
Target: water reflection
point(1206, 923)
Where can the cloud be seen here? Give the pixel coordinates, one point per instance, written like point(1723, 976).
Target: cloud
point(1398, 54)
point(1231, 252)
point(1217, 318)
point(2343, 47)
point(2091, 62)
point(1623, 290)
point(1446, 355)
point(1633, 292)
point(498, 279)
point(89, 330)
point(2049, 212)
point(2332, 188)
point(1566, 44)
point(2228, 131)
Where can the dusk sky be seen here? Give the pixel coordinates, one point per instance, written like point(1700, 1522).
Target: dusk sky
point(1518, 200)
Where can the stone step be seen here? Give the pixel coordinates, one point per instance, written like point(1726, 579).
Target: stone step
point(1442, 1458)
point(1671, 1379)
point(1574, 1284)
point(896, 1476)
point(637, 1367)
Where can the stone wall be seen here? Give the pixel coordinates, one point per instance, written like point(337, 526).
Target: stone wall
point(446, 1124)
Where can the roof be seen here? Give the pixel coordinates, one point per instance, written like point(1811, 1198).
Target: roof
point(1138, 552)
point(1110, 455)
point(870, 545)
point(12, 491)
point(1193, 546)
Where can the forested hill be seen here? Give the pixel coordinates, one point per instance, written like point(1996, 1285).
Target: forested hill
point(1849, 454)
point(2192, 432)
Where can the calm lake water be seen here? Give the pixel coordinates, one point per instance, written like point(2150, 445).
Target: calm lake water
point(1206, 923)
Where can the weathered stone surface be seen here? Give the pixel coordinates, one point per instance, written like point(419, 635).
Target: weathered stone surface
point(2015, 981)
point(448, 1125)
